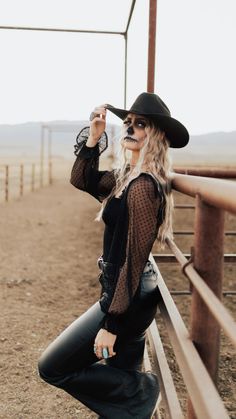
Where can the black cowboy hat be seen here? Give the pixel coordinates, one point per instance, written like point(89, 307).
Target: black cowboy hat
point(151, 106)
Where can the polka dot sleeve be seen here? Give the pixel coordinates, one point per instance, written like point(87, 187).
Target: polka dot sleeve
point(86, 176)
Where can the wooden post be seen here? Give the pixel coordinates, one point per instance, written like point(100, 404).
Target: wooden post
point(33, 177)
point(50, 173)
point(21, 180)
point(42, 156)
point(6, 183)
point(208, 261)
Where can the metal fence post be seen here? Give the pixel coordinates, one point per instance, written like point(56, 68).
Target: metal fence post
point(151, 46)
point(208, 261)
point(125, 69)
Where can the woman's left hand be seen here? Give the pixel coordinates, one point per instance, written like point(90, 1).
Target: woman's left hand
point(104, 340)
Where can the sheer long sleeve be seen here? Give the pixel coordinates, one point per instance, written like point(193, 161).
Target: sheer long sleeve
point(85, 174)
point(143, 203)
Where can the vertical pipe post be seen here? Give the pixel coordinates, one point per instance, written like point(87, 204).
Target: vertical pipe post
point(42, 156)
point(50, 157)
point(21, 180)
point(32, 177)
point(208, 261)
point(6, 183)
point(125, 70)
point(151, 45)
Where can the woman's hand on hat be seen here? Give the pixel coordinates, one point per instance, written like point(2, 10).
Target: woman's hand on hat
point(104, 340)
point(97, 125)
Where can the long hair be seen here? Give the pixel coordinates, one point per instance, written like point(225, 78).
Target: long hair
point(154, 157)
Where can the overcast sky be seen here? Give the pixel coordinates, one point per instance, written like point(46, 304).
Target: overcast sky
point(53, 76)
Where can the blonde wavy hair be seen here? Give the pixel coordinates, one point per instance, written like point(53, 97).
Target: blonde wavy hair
point(154, 157)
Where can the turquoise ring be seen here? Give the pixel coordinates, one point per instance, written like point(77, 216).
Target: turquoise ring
point(105, 353)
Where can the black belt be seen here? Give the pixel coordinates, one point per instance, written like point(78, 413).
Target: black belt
point(107, 268)
point(110, 269)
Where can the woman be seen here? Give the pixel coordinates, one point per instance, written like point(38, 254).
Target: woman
point(136, 209)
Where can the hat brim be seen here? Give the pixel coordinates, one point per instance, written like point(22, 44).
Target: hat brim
point(176, 132)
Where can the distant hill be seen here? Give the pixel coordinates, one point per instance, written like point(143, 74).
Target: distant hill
point(23, 140)
point(208, 149)
point(218, 139)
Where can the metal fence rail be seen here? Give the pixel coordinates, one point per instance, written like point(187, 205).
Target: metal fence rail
point(216, 192)
point(229, 173)
point(197, 350)
point(213, 303)
point(17, 179)
point(206, 401)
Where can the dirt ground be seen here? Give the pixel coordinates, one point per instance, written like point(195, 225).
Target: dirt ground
point(49, 245)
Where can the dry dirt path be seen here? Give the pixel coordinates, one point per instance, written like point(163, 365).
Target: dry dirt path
point(47, 278)
point(49, 244)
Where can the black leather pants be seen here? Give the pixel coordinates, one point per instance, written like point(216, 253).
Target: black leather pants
point(117, 389)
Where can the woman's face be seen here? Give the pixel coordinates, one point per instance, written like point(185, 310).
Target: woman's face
point(134, 132)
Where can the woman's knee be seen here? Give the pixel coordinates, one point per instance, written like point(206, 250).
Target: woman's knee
point(47, 371)
point(43, 369)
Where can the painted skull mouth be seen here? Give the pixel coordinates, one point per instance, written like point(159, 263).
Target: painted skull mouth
point(128, 138)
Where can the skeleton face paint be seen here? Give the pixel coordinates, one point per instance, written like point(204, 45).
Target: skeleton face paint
point(134, 131)
point(135, 122)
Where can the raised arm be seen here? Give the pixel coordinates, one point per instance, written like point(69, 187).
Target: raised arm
point(85, 174)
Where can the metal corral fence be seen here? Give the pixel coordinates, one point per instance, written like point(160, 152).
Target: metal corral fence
point(18, 179)
point(197, 350)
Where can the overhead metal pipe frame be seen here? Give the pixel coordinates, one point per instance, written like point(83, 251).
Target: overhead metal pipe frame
point(151, 54)
point(122, 33)
point(151, 41)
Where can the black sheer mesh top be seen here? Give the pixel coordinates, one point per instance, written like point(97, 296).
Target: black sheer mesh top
point(110, 217)
point(131, 223)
